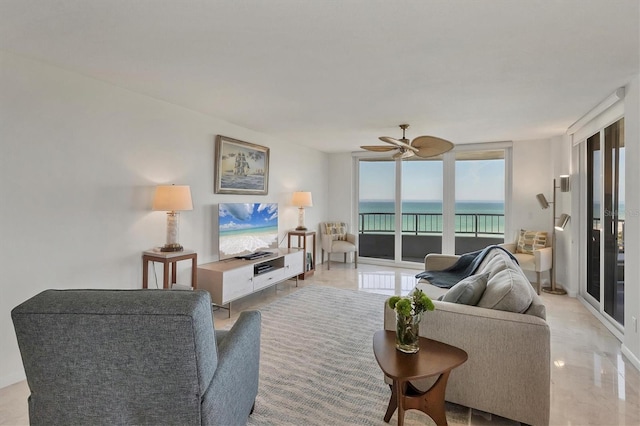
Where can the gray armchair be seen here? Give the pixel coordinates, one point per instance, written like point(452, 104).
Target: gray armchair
point(135, 357)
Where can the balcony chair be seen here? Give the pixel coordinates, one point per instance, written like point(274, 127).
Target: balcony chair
point(335, 238)
point(135, 357)
point(533, 251)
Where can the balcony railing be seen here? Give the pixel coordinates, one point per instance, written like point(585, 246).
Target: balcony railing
point(431, 223)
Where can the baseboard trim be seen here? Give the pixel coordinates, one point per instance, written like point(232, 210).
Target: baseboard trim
point(12, 379)
point(612, 328)
point(630, 356)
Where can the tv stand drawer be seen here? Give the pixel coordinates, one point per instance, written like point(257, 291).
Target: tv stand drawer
point(268, 279)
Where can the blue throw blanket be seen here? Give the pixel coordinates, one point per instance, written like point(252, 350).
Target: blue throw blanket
point(465, 266)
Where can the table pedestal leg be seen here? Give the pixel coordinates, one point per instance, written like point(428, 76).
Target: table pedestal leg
point(393, 402)
point(404, 396)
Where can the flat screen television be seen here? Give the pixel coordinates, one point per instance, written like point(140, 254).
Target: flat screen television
point(247, 228)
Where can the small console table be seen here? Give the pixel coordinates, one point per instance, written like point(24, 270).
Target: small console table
point(310, 267)
point(168, 258)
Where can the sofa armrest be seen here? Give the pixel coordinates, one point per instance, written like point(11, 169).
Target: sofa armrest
point(438, 262)
point(543, 259)
point(235, 383)
point(351, 238)
point(508, 370)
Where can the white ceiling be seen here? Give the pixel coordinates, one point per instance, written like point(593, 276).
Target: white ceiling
point(336, 74)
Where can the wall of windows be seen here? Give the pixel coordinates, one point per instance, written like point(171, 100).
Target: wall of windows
point(454, 203)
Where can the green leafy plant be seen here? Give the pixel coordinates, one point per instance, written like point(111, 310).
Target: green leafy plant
point(414, 303)
point(409, 311)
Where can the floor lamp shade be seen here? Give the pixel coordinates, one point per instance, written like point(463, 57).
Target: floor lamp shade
point(301, 199)
point(562, 221)
point(543, 201)
point(172, 199)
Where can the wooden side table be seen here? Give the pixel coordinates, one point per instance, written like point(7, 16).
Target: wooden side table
point(302, 239)
point(433, 359)
point(169, 258)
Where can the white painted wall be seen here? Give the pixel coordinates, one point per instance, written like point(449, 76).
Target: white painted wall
point(343, 201)
point(531, 176)
point(631, 347)
point(80, 160)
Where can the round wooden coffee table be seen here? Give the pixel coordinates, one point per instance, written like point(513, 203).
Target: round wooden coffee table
point(433, 358)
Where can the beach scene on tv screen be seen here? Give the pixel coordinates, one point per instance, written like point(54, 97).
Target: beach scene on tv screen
point(247, 227)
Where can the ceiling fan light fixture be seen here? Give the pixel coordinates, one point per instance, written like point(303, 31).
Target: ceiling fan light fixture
point(422, 146)
point(402, 155)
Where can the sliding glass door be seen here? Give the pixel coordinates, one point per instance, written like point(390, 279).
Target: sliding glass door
point(421, 196)
point(605, 166)
point(480, 199)
point(377, 208)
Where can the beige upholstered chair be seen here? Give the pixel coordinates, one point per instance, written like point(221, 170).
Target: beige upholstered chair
point(335, 238)
point(541, 260)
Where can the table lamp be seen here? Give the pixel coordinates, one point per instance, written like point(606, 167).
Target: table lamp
point(302, 200)
point(172, 199)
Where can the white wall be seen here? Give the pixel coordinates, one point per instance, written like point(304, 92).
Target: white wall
point(631, 347)
point(343, 201)
point(80, 160)
point(531, 176)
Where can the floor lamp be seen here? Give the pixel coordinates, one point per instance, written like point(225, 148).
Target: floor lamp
point(558, 223)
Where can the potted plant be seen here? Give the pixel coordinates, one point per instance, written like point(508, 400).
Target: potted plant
point(409, 310)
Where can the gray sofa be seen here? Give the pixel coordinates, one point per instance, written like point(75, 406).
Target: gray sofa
point(508, 370)
point(135, 357)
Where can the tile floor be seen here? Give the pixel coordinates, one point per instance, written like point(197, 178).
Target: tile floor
point(592, 383)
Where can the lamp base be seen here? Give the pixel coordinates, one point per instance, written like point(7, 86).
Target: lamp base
point(171, 247)
point(301, 228)
point(557, 291)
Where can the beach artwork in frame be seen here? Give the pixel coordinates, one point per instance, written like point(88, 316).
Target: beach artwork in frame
point(241, 167)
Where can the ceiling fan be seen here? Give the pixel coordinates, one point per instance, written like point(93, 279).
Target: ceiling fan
point(422, 146)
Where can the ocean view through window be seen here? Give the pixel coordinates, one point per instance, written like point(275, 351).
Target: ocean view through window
point(477, 212)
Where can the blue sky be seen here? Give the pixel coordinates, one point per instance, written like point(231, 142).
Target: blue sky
point(234, 216)
point(422, 180)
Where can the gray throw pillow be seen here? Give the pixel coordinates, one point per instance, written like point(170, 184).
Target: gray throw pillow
point(468, 291)
point(508, 291)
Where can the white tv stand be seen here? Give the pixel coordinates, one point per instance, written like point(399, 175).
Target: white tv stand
point(231, 279)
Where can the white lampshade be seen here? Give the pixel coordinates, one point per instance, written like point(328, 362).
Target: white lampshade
point(172, 198)
point(302, 199)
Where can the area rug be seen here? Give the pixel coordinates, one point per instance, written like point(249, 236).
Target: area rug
point(317, 365)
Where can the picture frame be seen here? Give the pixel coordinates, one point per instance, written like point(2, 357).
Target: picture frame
point(240, 167)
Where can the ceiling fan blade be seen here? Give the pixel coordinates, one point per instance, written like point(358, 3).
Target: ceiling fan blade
point(431, 146)
point(397, 142)
point(402, 155)
point(378, 148)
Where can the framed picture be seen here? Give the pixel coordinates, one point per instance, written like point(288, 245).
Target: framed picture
point(241, 167)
